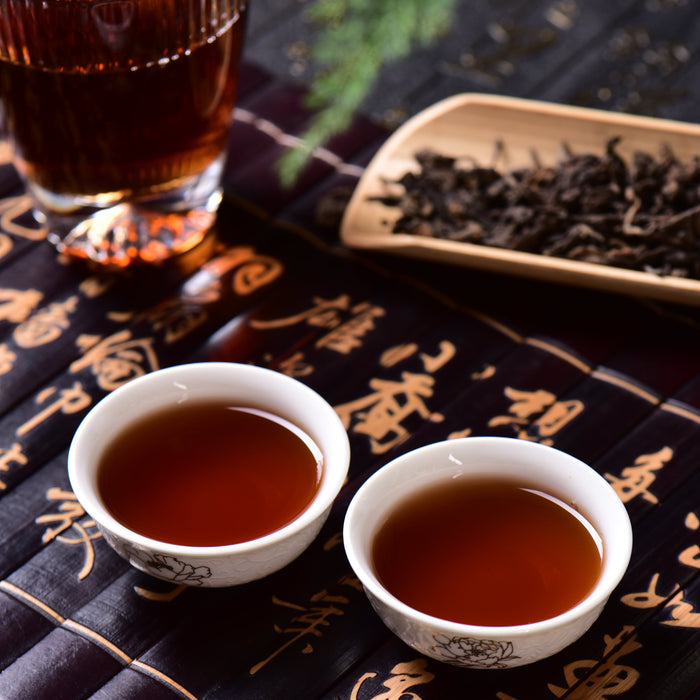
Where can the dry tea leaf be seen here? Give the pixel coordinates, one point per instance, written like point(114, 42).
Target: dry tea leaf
point(641, 215)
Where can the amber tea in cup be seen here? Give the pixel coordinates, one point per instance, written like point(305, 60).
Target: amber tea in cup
point(119, 115)
point(489, 552)
point(207, 474)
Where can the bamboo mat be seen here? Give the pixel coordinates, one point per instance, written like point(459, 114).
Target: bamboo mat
point(408, 352)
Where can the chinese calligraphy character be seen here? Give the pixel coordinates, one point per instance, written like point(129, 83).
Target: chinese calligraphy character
point(70, 400)
point(682, 613)
point(636, 480)
point(343, 337)
point(553, 414)
point(69, 512)
point(116, 359)
point(524, 405)
point(348, 336)
point(16, 304)
point(255, 272)
point(559, 414)
point(251, 272)
point(404, 677)
point(609, 677)
point(45, 325)
point(380, 413)
point(324, 314)
point(681, 610)
point(308, 623)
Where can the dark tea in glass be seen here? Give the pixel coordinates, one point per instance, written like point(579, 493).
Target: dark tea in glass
point(119, 115)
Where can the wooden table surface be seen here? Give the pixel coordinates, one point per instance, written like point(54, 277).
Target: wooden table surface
point(407, 351)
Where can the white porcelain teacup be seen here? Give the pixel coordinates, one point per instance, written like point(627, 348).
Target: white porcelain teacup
point(543, 468)
point(241, 385)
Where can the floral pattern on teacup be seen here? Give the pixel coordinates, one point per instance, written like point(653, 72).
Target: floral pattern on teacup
point(172, 569)
point(474, 653)
point(161, 566)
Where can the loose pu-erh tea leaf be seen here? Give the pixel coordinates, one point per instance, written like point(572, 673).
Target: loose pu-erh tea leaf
point(641, 215)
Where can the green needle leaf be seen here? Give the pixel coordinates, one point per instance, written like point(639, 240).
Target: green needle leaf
point(356, 39)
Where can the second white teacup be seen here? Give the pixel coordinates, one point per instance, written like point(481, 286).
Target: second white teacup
point(467, 460)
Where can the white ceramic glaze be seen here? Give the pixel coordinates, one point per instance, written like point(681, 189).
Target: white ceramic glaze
point(546, 468)
point(243, 385)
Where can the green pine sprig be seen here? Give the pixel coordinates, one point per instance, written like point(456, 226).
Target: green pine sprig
point(356, 38)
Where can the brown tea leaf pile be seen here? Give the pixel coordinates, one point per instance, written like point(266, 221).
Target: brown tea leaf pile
point(642, 215)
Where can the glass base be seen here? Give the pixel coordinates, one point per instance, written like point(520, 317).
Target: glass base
point(126, 234)
point(118, 230)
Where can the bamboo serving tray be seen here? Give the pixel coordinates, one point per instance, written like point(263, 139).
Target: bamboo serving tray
point(471, 125)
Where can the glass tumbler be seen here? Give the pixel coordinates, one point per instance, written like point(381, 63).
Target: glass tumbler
point(118, 113)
